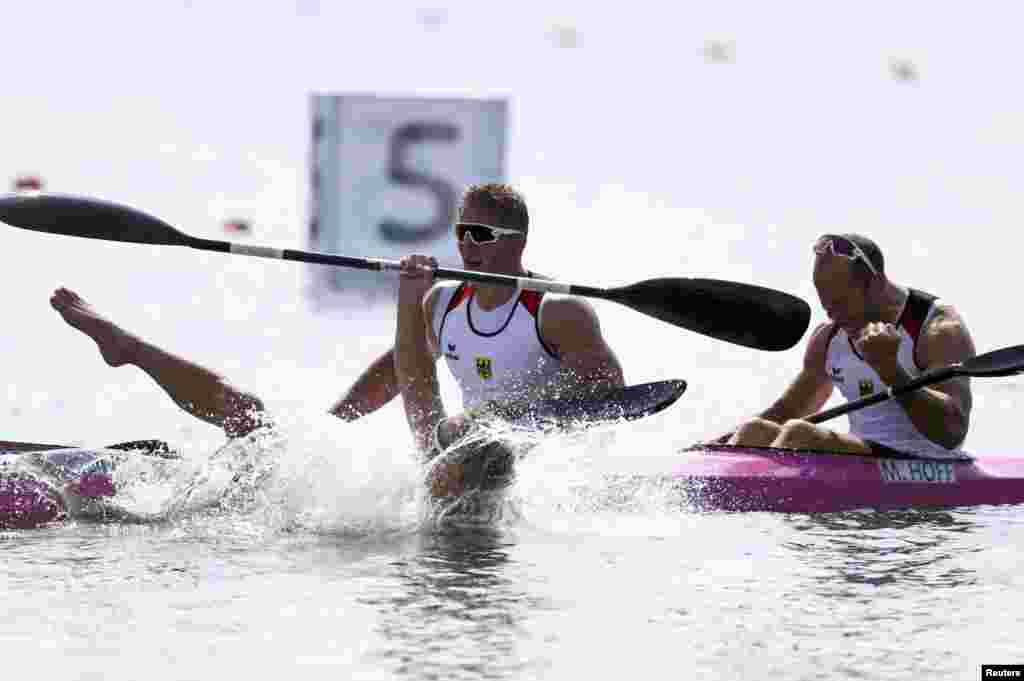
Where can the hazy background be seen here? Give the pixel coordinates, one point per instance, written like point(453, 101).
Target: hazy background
point(702, 139)
point(708, 139)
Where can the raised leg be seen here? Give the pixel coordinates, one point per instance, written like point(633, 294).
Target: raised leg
point(199, 391)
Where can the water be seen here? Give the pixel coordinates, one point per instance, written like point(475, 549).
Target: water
point(845, 595)
point(658, 164)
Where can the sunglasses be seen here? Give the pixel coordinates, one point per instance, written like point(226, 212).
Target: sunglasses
point(844, 248)
point(479, 233)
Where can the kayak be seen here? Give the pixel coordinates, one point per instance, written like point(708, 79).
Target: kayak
point(39, 488)
point(42, 484)
point(726, 478)
point(48, 487)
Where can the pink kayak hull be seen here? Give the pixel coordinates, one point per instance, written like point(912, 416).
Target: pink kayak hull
point(27, 502)
point(720, 477)
point(29, 498)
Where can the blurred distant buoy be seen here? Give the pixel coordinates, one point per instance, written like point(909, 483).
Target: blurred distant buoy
point(432, 18)
point(237, 226)
point(903, 70)
point(28, 183)
point(307, 8)
point(719, 52)
point(566, 37)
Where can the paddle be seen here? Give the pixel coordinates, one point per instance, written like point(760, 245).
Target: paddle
point(148, 447)
point(743, 314)
point(13, 447)
point(1004, 362)
point(623, 404)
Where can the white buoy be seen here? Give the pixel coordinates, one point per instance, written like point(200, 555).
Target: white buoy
point(564, 36)
point(719, 52)
point(903, 70)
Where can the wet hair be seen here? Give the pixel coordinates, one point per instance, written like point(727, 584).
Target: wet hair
point(504, 201)
point(871, 250)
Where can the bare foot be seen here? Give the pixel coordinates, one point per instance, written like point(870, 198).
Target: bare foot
point(117, 346)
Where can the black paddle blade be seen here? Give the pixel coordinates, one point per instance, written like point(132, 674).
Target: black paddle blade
point(1004, 362)
point(10, 447)
point(628, 403)
point(157, 448)
point(752, 316)
point(89, 218)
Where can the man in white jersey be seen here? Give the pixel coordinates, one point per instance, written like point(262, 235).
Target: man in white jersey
point(500, 343)
point(880, 335)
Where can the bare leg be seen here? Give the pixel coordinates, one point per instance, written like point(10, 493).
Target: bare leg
point(372, 390)
point(197, 390)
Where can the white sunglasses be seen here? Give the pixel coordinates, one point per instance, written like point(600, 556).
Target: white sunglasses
point(480, 233)
point(844, 248)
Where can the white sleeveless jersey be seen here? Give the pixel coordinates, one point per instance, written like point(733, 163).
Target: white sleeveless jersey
point(495, 354)
point(886, 422)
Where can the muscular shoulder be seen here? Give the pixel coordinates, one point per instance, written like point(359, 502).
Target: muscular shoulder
point(557, 310)
point(568, 322)
point(429, 305)
point(945, 339)
point(817, 347)
point(434, 294)
point(945, 319)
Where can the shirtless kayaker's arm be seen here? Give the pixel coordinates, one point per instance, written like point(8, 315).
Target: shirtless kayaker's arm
point(378, 385)
point(372, 390)
point(415, 356)
point(812, 386)
point(571, 329)
point(940, 412)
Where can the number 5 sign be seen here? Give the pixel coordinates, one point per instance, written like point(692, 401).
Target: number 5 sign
point(388, 175)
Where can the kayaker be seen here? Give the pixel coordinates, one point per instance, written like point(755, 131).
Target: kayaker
point(881, 334)
point(499, 343)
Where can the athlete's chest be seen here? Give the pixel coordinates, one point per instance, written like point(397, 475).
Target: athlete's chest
point(853, 376)
point(487, 346)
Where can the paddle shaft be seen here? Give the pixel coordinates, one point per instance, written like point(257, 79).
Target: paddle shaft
point(929, 378)
point(748, 315)
point(1003, 362)
point(744, 314)
point(379, 265)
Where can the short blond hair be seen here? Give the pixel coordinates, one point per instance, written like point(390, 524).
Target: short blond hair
point(502, 200)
